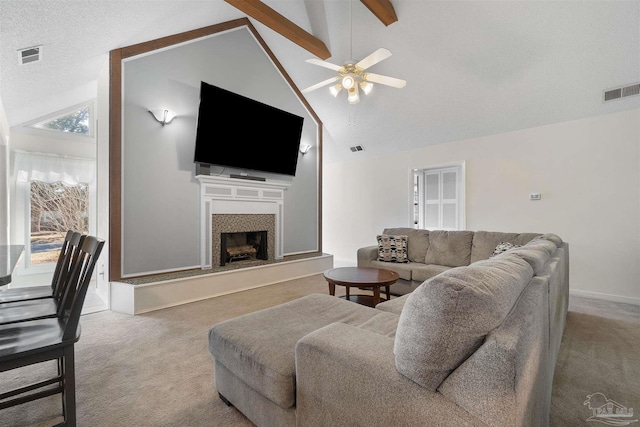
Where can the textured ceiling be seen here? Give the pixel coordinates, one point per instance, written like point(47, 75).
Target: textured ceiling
point(472, 68)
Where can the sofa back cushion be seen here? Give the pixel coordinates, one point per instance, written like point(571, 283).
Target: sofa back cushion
point(485, 242)
point(450, 248)
point(447, 317)
point(507, 381)
point(537, 252)
point(417, 241)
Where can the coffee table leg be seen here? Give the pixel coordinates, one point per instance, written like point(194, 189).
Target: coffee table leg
point(332, 288)
point(376, 295)
point(387, 290)
point(347, 292)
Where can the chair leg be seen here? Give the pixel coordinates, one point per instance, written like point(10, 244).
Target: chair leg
point(69, 387)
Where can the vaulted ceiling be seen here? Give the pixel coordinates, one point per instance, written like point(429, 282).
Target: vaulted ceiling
point(472, 68)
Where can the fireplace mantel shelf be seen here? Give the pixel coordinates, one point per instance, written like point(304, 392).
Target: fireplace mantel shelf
point(245, 183)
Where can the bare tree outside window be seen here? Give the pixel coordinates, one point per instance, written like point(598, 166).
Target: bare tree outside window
point(56, 208)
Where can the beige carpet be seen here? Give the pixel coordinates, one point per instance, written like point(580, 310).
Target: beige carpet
point(155, 369)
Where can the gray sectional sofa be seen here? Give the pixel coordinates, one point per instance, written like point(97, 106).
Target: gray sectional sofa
point(474, 345)
point(430, 252)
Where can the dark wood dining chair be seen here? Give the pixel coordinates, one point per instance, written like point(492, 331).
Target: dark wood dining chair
point(33, 309)
point(36, 341)
point(72, 241)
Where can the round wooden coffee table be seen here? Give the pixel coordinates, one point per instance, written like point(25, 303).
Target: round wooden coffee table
point(361, 278)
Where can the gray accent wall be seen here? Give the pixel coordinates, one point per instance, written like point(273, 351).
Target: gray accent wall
point(160, 195)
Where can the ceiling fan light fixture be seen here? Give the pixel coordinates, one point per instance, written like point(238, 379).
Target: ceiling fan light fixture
point(348, 82)
point(366, 87)
point(353, 96)
point(335, 90)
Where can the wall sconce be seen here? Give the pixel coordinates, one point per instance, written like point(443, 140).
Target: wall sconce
point(163, 116)
point(304, 148)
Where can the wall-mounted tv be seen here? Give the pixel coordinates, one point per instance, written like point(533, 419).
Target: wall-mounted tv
point(238, 132)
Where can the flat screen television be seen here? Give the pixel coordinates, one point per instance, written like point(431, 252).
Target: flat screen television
point(238, 132)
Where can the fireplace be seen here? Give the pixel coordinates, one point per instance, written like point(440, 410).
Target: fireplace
point(236, 206)
point(242, 237)
point(243, 246)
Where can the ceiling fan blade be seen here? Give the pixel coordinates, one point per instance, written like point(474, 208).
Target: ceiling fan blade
point(385, 80)
point(325, 64)
point(374, 58)
point(319, 85)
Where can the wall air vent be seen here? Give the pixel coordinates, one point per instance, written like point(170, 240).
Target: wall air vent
point(356, 148)
point(621, 92)
point(29, 55)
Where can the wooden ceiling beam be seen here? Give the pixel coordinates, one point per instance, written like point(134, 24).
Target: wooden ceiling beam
point(382, 9)
point(281, 25)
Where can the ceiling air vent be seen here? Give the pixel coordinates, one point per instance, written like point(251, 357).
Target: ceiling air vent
point(356, 148)
point(29, 55)
point(621, 92)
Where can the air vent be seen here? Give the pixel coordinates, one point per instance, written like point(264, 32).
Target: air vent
point(622, 92)
point(356, 148)
point(29, 55)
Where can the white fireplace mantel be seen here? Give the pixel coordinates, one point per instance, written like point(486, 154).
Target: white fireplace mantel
point(224, 195)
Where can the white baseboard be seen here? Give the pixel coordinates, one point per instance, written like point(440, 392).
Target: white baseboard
point(605, 297)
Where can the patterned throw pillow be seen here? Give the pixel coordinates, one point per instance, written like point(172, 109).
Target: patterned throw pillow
point(503, 247)
point(392, 248)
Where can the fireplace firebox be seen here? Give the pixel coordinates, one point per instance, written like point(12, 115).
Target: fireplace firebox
point(243, 246)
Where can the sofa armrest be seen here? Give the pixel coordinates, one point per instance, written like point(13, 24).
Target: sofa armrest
point(346, 375)
point(366, 255)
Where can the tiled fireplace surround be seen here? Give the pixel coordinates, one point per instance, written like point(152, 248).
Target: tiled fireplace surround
point(233, 205)
point(241, 223)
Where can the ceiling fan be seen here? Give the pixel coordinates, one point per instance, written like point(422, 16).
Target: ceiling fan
point(353, 75)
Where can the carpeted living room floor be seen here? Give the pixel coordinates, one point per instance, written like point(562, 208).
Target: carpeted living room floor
point(154, 369)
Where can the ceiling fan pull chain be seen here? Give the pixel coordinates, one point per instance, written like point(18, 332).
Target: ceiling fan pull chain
point(352, 115)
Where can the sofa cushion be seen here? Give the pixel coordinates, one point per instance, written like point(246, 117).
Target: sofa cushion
point(552, 238)
point(485, 242)
point(394, 305)
point(537, 252)
point(392, 248)
point(508, 376)
point(503, 247)
point(422, 272)
point(263, 355)
point(447, 317)
point(417, 241)
point(450, 248)
point(403, 269)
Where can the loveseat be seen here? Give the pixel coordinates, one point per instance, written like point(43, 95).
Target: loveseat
point(474, 345)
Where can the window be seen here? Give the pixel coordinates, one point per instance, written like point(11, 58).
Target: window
point(55, 208)
point(74, 123)
point(56, 194)
point(438, 198)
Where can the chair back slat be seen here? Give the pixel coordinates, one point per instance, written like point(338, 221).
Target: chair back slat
point(79, 278)
point(68, 254)
point(64, 250)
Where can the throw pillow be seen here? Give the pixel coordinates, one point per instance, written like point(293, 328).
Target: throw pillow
point(392, 248)
point(503, 247)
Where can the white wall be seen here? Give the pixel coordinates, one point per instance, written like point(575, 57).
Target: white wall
point(586, 170)
point(4, 177)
